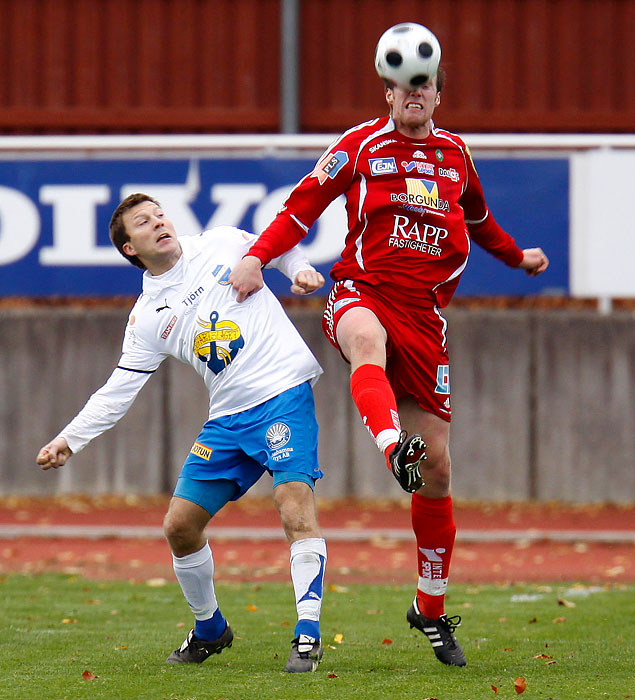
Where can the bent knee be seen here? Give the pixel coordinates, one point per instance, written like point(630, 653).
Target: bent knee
point(366, 343)
point(179, 529)
point(438, 471)
point(296, 505)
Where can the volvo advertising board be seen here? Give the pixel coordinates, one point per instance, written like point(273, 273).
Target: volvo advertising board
point(54, 218)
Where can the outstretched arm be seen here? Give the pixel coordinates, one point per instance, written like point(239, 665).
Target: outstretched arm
point(534, 261)
point(101, 412)
point(55, 454)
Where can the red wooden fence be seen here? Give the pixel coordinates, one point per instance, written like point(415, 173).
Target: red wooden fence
point(161, 66)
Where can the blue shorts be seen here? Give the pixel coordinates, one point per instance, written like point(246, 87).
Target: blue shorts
point(279, 436)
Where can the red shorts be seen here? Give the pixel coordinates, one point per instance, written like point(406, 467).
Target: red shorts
point(417, 361)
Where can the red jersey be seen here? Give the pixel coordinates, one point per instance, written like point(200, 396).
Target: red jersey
point(413, 205)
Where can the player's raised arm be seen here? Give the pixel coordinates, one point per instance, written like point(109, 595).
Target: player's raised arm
point(55, 454)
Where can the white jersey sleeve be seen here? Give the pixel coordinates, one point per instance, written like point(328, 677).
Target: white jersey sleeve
point(291, 263)
point(108, 405)
point(104, 408)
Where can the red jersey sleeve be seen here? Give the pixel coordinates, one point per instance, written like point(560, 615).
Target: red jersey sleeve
point(330, 177)
point(483, 228)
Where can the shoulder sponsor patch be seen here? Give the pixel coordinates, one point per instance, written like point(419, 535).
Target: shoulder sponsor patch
point(202, 451)
point(382, 166)
point(330, 165)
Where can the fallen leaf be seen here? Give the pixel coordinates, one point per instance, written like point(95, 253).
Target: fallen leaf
point(549, 663)
point(252, 608)
point(338, 638)
point(334, 588)
point(559, 619)
point(495, 689)
point(88, 676)
point(330, 646)
point(387, 641)
point(156, 582)
point(520, 685)
point(566, 603)
point(124, 647)
point(69, 621)
point(533, 620)
point(333, 675)
point(286, 623)
point(542, 656)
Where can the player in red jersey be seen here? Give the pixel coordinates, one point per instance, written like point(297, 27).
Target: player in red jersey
point(414, 204)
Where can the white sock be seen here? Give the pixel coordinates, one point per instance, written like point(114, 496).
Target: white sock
point(195, 574)
point(387, 438)
point(308, 561)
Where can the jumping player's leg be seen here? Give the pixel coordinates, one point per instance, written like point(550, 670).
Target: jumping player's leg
point(191, 508)
point(435, 531)
point(362, 340)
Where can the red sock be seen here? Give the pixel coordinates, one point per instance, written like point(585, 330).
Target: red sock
point(377, 405)
point(434, 528)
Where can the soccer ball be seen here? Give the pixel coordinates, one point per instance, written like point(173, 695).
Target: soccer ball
point(408, 54)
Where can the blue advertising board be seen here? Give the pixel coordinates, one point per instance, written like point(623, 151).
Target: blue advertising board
point(54, 218)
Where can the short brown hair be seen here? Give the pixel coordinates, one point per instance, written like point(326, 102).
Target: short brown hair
point(118, 234)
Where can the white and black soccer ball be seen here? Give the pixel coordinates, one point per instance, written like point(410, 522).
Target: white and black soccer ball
point(408, 54)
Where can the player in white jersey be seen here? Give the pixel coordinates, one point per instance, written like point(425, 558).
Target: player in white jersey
point(259, 374)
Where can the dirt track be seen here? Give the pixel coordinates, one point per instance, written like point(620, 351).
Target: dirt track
point(529, 557)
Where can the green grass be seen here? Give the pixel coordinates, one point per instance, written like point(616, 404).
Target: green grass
point(57, 627)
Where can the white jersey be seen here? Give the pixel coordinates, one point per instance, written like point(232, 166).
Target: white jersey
point(246, 352)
